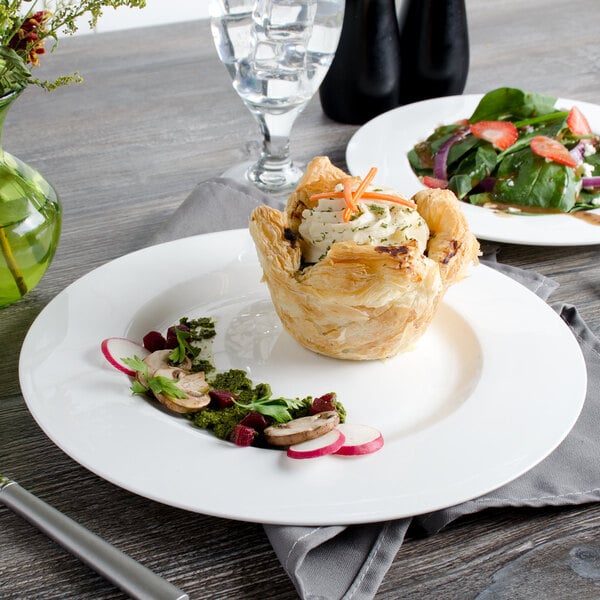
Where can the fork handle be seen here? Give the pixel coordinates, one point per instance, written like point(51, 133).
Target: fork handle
point(129, 575)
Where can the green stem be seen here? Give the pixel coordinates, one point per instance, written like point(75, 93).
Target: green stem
point(555, 116)
point(13, 267)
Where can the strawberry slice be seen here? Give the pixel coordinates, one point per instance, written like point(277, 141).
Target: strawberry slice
point(503, 134)
point(434, 182)
point(577, 122)
point(552, 150)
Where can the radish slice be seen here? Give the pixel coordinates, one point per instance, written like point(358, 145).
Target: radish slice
point(116, 348)
point(360, 439)
point(328, 443)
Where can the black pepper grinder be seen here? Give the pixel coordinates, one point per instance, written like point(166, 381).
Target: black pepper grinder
point(434, 49)
point(364, 78)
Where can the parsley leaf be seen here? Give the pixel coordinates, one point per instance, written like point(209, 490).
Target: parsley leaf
point(166, 386)
point(183, 348)
point(138, 388)
point(156, 385)
point(137, 364)
point(276, 408)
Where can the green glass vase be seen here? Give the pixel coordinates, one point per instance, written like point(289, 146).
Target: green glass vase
point(30, 222)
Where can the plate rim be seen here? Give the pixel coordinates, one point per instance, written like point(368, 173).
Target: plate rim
point(376, 513)
point(481, 221)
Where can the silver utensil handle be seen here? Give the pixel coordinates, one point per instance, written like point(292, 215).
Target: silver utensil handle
point(127, 574)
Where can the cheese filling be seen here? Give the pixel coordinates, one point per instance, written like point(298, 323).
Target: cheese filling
point(378, 223)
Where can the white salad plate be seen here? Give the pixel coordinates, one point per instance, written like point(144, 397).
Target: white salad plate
point(384, 142)
point(478, 401)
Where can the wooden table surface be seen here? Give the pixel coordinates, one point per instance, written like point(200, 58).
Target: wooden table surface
point(155, 115)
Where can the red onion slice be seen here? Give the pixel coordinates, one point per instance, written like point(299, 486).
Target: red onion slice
point(487, 184)
point(577, 152)
point(440, 164)
point(590, 182)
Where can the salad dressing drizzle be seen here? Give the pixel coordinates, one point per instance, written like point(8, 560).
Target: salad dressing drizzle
point(503, 209)
point(588, 217)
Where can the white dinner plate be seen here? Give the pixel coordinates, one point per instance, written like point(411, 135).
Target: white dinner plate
point(479, 400)
point(385, 141)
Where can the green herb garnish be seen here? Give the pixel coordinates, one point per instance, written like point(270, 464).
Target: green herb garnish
point(276, 408)
point(156, 385)
point(183, 348)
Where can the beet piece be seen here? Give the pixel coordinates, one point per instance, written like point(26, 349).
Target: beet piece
point(222, 398)
point(153, 341)
point(172, 337)
point(323, 403)
point(242, 435)
point(255, 420)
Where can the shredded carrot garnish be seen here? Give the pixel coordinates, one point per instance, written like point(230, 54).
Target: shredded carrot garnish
point(368, 195)
point(349, 200)
point(364, 184)
point(326, 195)
point(389, 198)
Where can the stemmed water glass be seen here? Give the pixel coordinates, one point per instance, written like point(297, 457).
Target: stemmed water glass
point(277, 52)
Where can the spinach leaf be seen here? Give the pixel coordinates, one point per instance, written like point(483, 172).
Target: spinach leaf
point(476, 166)
point(536, 104)
point(461, 185)
point(480, 199)
point(594, 160)
point(459, 150)
point(505, 102)
point(587, 200)
point(529, 180)
point(420, 160)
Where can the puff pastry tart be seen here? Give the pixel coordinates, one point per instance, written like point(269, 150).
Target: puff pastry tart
point(355, 271)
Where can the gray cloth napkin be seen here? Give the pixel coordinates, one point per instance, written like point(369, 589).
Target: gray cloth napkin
point(349, 562)
point(218, 204)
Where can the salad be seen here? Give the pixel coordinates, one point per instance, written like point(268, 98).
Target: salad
point(516, 152)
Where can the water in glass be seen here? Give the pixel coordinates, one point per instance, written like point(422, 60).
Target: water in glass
point(277, 52)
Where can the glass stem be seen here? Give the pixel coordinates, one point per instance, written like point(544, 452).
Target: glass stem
point(274, 169)
point(276, 131)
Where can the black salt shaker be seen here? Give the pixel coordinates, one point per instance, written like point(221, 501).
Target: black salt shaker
point(434, 49)
point(364, 78)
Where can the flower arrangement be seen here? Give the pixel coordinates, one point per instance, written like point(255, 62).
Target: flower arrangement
point(25, 27)
point(30, 210)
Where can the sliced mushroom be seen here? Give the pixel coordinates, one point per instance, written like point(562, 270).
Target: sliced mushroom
point(193, 385)
point(191, 404)
point(160, 360)
point(157, 360)
point(302, 429)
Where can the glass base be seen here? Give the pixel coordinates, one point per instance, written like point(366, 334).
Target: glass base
point(277, 184)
